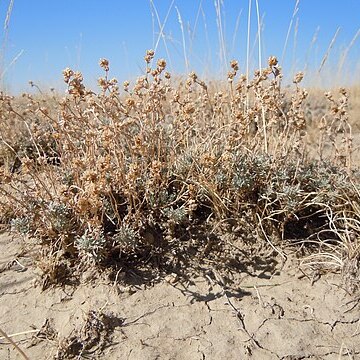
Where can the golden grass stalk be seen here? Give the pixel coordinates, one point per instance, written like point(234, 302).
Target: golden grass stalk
point(20, 333)
point(312, 43)
point(248, 46)
point(236, 30)
point(186, 60)
point(264, 125)
point(8, 338)
point(259, 35)
point(161, 28)
point(193, 32)
point(296, 9)
point(5, 38)
point(332, 42)
point(221, 30)
point(8, 15)
point(346, 52)
point(13, 61)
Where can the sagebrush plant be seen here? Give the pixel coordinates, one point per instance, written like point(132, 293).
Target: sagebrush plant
point(137, 167)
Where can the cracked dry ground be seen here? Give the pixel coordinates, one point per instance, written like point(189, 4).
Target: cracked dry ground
point(281, 315)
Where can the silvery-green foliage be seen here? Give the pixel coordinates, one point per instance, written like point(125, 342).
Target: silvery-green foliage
point(20, 225)
point(60, 216)
point(177, 216)
point(91, 244)
point(125, 236)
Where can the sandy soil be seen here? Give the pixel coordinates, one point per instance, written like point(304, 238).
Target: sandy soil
point(277, 314)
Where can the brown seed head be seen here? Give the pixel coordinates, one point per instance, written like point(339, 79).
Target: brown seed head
point(78, 76)
point(188, 82)
point(272, 61)
point(150, 52)
point(298, 77)
point(126, 85)
point(234, 65)
point(328, 95)
point(343, 91)
point(67, 74)
point(130, 102)
point(193, 76)
point(102, 82)
point(149, 56)
point(161, 63)
point(104, 63)
point(113, 81)
point(231, 76)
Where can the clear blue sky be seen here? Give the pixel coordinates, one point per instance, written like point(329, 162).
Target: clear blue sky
point(54, 34)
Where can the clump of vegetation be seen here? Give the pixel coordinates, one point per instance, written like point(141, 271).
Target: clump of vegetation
point(141, 171)
point(91, 339)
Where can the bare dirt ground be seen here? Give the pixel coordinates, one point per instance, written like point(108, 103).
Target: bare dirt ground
point(277, 312)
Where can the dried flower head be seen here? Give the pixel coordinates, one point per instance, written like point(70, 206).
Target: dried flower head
point(102, 82)
point(149, 56)
point(78, 76)
point(67, 74)
point(343, 91)
point(130, 102)
point(193, 76)
point(298, 77)
point(234, 65)
point(126, 85)
point(273, 61)
point(104, 63)
point(231, 76)
point(161, 63)
point(150, 52)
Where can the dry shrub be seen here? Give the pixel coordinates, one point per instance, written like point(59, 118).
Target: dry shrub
point(132, 170)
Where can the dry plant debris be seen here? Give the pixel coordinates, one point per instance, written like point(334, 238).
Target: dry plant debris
point(91, 338)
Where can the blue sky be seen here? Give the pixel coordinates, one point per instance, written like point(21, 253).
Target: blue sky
point(51, 35)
